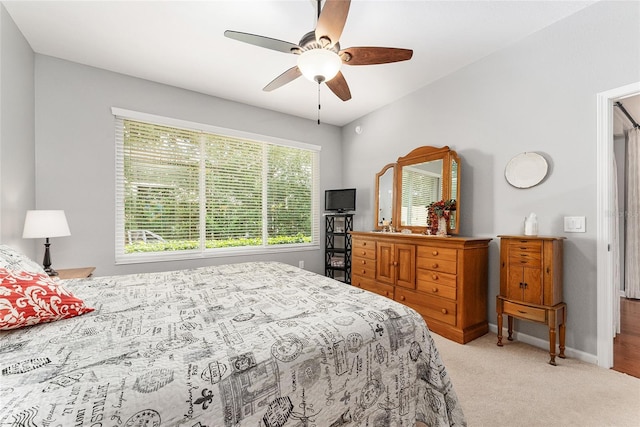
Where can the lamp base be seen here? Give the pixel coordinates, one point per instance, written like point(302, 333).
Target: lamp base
point(51, 272)
point(46, 262)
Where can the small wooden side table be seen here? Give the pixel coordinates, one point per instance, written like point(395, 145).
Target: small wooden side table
point(75, 273)
point(550, 316)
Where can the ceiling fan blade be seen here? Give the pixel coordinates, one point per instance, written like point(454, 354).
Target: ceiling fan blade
point(288, 76)
point(374, 55)
point(339, 86)
point(331, 21)
point(266, 42)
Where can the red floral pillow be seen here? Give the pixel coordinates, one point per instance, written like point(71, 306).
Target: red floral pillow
point(28, 298)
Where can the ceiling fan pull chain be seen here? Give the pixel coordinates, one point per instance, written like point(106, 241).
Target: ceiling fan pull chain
point(319, 103)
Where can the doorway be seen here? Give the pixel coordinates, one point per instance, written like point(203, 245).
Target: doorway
point(606, 294)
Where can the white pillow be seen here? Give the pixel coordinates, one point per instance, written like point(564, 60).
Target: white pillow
point(11, 259)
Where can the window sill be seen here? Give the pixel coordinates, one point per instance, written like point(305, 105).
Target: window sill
point(138, 258)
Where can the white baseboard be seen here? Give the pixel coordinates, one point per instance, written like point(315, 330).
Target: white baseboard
point(544, 344)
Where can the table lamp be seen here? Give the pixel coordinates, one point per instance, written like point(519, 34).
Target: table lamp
point(40, 224)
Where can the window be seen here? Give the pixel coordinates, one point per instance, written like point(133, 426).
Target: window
point(186, 190)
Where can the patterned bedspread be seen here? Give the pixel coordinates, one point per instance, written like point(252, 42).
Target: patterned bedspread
point(252, 344)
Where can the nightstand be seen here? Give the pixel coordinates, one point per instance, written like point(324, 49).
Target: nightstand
point(75, 273)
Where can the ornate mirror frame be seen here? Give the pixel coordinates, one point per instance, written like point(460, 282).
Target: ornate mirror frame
point(450, 185)
point(385, 195)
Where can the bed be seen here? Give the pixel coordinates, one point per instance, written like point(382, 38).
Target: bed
point(248, 344)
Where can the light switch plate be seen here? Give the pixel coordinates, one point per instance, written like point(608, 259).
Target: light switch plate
point(574, 224)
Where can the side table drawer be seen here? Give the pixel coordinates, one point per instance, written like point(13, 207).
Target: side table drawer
point(525, 312)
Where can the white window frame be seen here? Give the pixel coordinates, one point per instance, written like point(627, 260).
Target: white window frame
point(121, 257)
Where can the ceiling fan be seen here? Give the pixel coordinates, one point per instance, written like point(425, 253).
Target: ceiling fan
point(320, 55)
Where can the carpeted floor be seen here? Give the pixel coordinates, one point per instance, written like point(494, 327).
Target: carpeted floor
point(515, 386)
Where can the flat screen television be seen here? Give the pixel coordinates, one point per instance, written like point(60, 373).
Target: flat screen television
point(342, 200)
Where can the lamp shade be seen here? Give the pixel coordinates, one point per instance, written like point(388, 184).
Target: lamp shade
point(319, 64)
point(45, 223)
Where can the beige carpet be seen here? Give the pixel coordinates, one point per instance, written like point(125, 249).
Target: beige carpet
point(515, 386)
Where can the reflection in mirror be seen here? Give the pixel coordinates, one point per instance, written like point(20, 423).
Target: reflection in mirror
point(421, 185)
point(454, 193)
point(384, 196)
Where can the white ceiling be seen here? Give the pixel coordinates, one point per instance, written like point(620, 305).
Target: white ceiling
point(181, 43)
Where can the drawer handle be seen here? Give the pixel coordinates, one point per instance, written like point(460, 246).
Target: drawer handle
point(364, 243)
point(434, 253)
point(444, 311)
point(434, 277)
point(364, 253)
point(363, 262)
point(522, 312)
point(395, 263)
point(435, 290)
point(387, 294)
point(364, 271)
point(402, 298)
point(434, 265)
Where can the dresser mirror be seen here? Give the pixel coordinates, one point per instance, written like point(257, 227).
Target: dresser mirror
point(425, 175)
point(385, 201)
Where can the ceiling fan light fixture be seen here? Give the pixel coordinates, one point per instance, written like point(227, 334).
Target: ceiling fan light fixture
point(319, 65)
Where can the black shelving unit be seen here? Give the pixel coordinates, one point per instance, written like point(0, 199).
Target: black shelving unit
point(337, 248)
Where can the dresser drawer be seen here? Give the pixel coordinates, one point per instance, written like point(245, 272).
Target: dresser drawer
point(435, 277)
point(448, 292)
point(432, 252)
point(372, 286)
point(525, 312)
point(364, 267)
point(364, 248)
point(441, 265)
point(432, 307)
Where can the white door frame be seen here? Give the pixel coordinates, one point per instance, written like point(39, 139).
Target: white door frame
point(605, 213)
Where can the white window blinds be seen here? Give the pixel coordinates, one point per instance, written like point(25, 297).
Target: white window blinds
point(419, 189)
point(185, 192)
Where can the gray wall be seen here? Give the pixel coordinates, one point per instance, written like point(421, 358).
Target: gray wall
point(537, 95)
point(17, 146)
point(76, 155)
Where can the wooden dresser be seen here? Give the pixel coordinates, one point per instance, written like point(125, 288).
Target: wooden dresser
point(531, 285)
point(442, 278)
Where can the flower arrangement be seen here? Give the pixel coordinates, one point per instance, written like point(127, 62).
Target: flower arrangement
point(436, 211)
point(442, 206)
